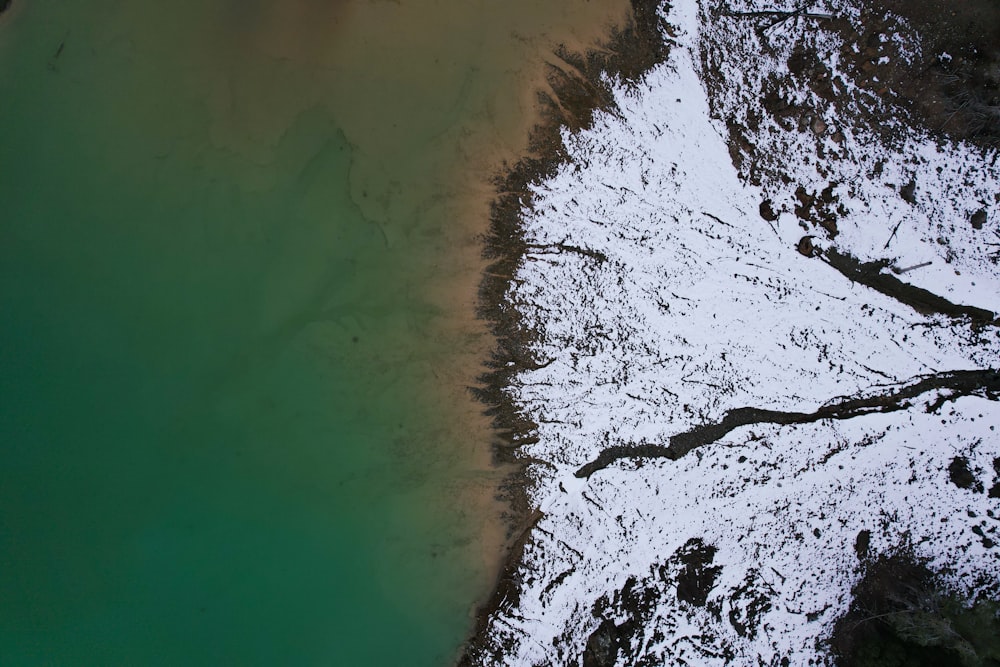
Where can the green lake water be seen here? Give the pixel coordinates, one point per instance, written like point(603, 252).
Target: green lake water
point(224, 438)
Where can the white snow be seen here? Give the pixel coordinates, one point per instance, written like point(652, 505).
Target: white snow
point(702, 306)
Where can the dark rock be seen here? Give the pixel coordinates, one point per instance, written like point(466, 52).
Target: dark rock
point(774, 103)
point(634, 605)
point(818, 209)
point(802, 211)
point(995, 491)
point(961, 476)
point(602, 646)
point(767, 211)
point(806, 247)
point(697, 577)
point(861, 543)
point(799, 62)
point(827, 196)
point(978, 219)
point(805, 199)
point(908, 192)
point(829, 223)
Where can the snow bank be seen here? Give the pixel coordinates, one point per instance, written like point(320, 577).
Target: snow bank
point(664, 299)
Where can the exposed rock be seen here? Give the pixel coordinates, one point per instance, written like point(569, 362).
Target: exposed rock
point(908, 192)
point(818, 209)
point(962, 476)
point(862, 543)
point(697, 578)
point(602, 646)
point(978, 219)
point(767, 211)
point(995, 489)
point(806, 247)
point(806, 201)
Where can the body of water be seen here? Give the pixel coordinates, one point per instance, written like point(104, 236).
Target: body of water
point(238, 260)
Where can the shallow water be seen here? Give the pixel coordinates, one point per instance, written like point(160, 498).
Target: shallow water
point(237, 268)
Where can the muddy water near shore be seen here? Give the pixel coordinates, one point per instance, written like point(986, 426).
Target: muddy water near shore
point(239, 255)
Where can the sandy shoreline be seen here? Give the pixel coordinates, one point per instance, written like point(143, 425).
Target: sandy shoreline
point(568, 89)
point(462, 291)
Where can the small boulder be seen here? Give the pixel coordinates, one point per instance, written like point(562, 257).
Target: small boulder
point(962, 476)
point(767, 211)
point(978, 219)
point(806, 247)
point(908, 192)
point(862, 543)
point(602, 646)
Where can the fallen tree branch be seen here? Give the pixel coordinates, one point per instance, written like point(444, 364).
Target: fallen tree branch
point(985, 383)
point(899, 271)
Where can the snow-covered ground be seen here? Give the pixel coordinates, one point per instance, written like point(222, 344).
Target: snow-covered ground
point(663, 299)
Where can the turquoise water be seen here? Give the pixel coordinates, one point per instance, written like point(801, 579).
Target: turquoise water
point(210, 375)
point(224, 434)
